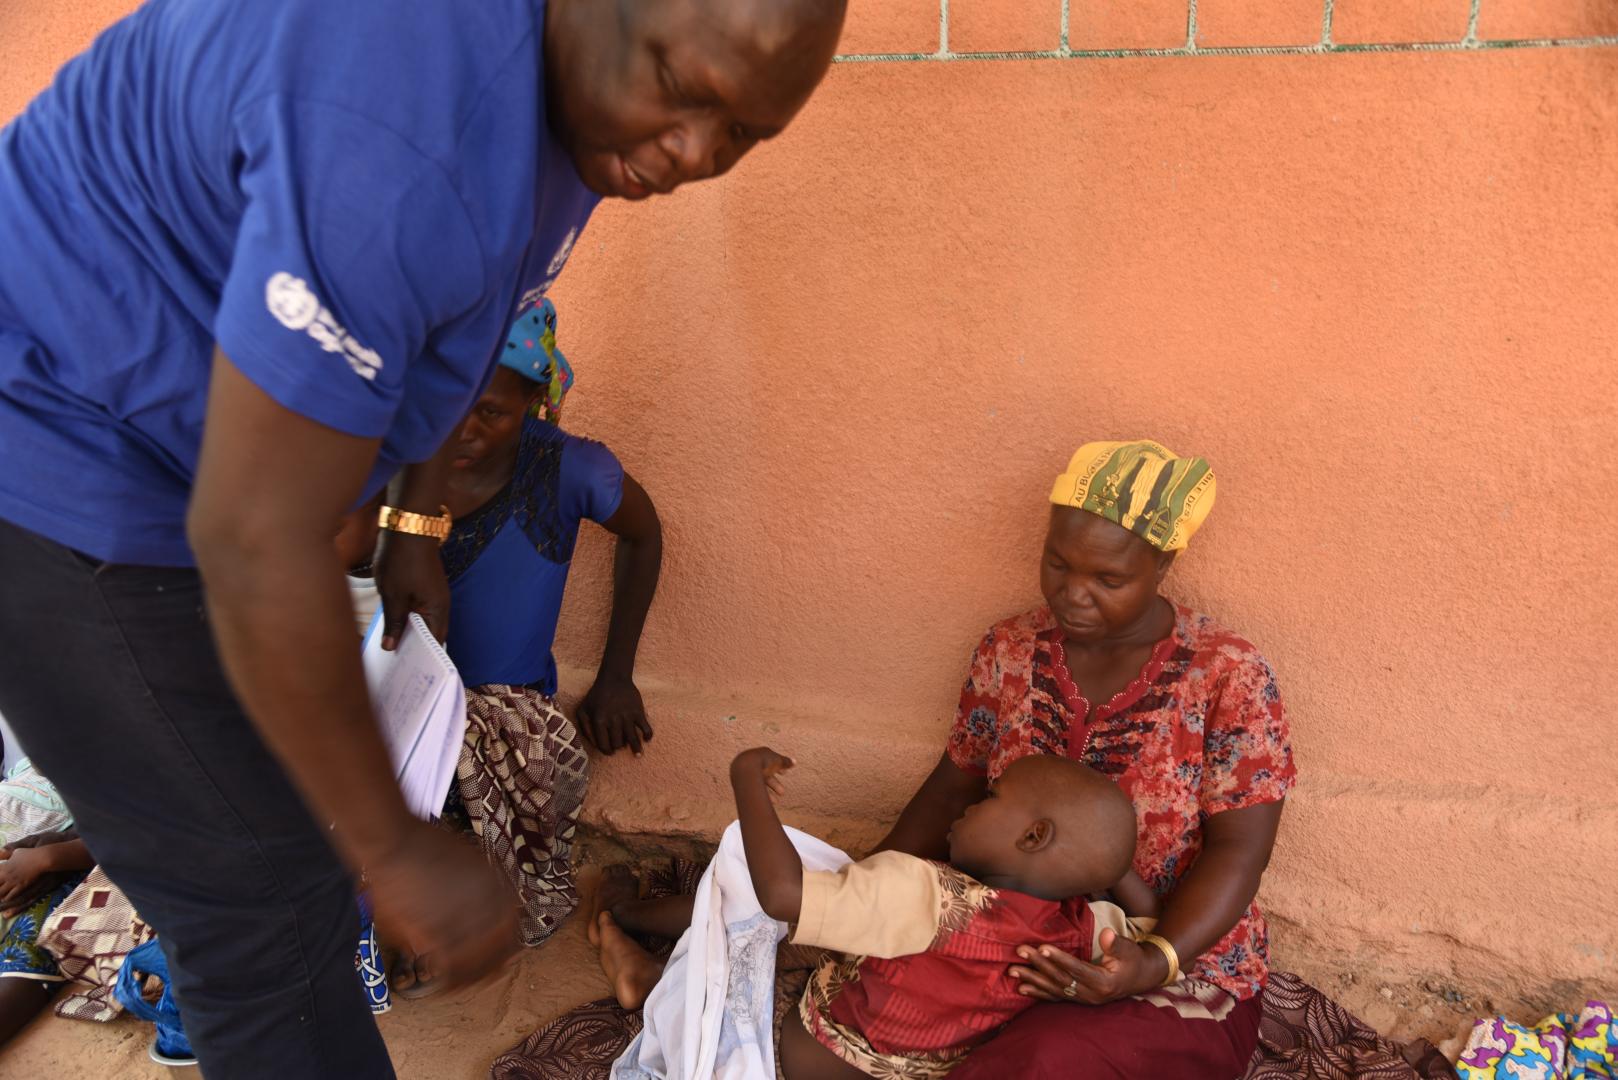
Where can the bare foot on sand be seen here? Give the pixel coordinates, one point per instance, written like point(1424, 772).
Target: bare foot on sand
point(616, 884)
point(631, 969)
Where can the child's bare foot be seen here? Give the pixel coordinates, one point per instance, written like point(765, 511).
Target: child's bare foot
point(631, 969)
point(616, 884)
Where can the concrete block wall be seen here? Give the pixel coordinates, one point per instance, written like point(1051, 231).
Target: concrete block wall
point(1062, 29)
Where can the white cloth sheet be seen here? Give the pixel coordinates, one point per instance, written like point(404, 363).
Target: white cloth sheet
point(710, 1014)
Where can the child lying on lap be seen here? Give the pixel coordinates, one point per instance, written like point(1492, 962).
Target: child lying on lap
point(918, 975)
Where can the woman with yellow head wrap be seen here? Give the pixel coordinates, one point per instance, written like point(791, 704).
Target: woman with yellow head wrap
point(1185, 716)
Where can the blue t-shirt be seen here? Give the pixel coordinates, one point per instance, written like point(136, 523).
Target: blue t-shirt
point(508, 561)
point(350, 197)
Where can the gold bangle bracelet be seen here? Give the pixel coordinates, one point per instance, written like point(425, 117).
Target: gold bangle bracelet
point(1166, 947)
point(408, 521)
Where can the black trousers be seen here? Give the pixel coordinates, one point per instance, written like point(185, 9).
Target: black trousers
point(109, 676)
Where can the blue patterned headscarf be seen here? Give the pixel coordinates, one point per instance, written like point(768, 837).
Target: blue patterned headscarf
point(531, 352)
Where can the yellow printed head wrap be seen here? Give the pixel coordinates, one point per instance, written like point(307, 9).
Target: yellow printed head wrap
point(1142, 486)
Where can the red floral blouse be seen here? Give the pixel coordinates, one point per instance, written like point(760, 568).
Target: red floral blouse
point(1201, 730)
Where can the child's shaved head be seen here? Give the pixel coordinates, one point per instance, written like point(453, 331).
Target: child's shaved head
point(1094, 820)
point(1053, 827)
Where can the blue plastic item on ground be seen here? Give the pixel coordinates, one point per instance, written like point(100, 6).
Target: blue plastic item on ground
point(171, 1047)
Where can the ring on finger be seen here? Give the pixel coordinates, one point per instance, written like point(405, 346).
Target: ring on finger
point(1071, 989)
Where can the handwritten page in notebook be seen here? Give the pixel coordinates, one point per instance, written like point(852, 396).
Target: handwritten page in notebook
point(420, 709)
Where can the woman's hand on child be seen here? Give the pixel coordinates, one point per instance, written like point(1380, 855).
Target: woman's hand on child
point(1123, 970)
point(613, 716)
point(21, 869)
point(763, 763)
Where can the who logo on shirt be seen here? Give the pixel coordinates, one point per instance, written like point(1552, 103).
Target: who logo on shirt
point(296, 307)
point(559, 260)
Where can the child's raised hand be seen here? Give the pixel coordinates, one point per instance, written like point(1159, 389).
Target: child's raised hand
point(772, 861)
point(763, 763)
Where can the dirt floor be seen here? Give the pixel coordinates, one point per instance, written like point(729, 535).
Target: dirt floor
point(454, 1036)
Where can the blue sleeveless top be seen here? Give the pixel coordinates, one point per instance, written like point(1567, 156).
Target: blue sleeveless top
point(507, 562)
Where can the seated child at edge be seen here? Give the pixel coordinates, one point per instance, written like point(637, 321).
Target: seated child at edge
point(918, 972)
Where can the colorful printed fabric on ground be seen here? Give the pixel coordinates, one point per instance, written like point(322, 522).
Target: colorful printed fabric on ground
point(1566, 1046)
point(1305, 1035)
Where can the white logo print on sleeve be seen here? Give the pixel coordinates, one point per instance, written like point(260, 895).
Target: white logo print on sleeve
point(296, 307)
point(559, 260)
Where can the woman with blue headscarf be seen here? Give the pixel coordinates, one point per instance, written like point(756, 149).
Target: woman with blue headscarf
point(519, 489)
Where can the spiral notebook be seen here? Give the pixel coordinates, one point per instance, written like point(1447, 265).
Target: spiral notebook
point(420, 709)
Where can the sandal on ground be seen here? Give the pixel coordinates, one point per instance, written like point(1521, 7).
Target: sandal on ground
point(172, 1060)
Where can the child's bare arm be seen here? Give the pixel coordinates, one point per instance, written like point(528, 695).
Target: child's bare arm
point(772, 861)
point(1137, 898)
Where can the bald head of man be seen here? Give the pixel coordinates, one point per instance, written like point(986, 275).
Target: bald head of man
point(650, 94)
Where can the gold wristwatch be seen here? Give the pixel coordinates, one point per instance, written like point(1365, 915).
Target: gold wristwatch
point(407, 521)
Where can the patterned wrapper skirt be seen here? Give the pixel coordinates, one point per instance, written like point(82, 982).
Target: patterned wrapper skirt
point(89, 934)
point(522, 777)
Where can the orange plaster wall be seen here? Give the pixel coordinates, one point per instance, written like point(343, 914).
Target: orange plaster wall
point(36, 36)
point(1375, 289)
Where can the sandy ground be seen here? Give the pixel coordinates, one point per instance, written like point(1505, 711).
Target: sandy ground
point(454, 1036)
point(451, 1036)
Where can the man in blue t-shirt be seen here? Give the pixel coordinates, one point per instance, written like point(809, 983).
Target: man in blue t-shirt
point(256, 259)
